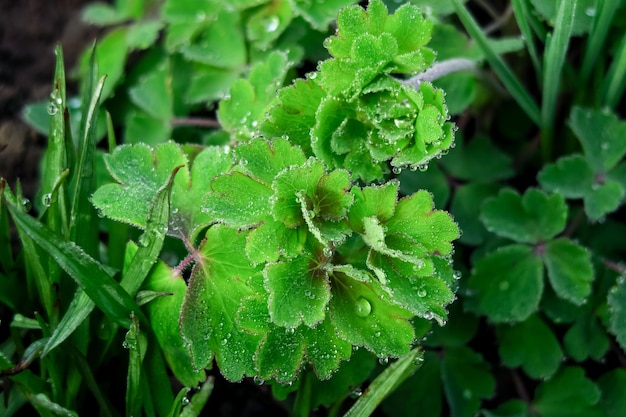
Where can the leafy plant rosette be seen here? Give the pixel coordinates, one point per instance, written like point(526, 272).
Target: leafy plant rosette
point(304, 249)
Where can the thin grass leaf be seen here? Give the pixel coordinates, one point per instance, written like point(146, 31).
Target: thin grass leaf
point(615, 81)
point(385, 383)
point(180, 400)
point(83, 213)
point(35, 271)
point(605, 12)
point(104, 407)
point(137, 344)
point(199, 399)
point(521, 12)
point(151, 241)
point(6, 260)
point(159, 387)
point(79, 309)
point(556, 49)
point(91, 275)
point(508, 78)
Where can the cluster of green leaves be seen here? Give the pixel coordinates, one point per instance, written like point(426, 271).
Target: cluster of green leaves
point(299, 264)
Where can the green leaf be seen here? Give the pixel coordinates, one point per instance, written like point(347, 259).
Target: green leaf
point(617, 318)
point(371, 42)
point(141, 171)
point(209, 83)
point(432, 179)
point(466, 380)
point(600, 134)
point(570, 176)
point(603, 198)
point(415, 216)
point(298, 291)
point(506, 285)
point(478, 160)
point(569, 269)
point(586, 339)
point(613, 384)
point(216, 288)
point(144, 34)
point(569, 393)
point(583, 15)
point(364, 315)
point(101, 14)
point(152, 92)
point(465, 207)
point(319, 14)
point(532, 345)
point(267, 23)
point(293, 114)
point(220, 44)
point(531, 218)
point(249, 99)
point(111, 53)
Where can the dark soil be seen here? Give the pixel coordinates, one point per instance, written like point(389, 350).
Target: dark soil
point(29, 31)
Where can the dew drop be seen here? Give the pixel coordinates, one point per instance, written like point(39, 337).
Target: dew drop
point(421, 293)
point(356, 393)
point(47, 199)
point(26, 204)
point(422, 167)
point(590, 11)
point(383, 360)
point(327, 252)
point(144, 239)
point(312, 75)
point(363, 308)
point(396, 170)
point(290, 330)
point(428, 315)
point(457, 275)
point(258, 380)
point(125, 345)
point(413, 168)
point(52, 109)
point(184, 400)
point(271, 24)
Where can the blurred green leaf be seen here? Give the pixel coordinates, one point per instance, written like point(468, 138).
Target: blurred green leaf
point(617, 310)
point(506, 285)
point(532, 345)
point(569, 393)
point(612, 384)
point(478, 160)
point(531, 218)
point(465, 207)
point(586, 339)
point(466, 379)
point(569, 269)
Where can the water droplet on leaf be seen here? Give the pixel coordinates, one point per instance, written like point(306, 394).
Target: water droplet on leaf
point(185, 400)
point(26, 204)
point(47, 199)
point(52, 109)
point(421, 293)
point(271, 23)
point(396, 170)
point(363, 308)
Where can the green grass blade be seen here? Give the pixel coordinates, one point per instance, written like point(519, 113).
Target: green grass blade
point(521, 12)
point(136, 343)
point(33, 262)
point(605, 11)
point(510, 81)
point(199, 399)
point(91, 275)
point(615, 81)
point(6, 260)
point(385, 383)
point(151, 242)
point(556, 49)
point(83, 215)
point(79, 309)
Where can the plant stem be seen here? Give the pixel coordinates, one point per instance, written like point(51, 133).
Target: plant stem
point(441, 69)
